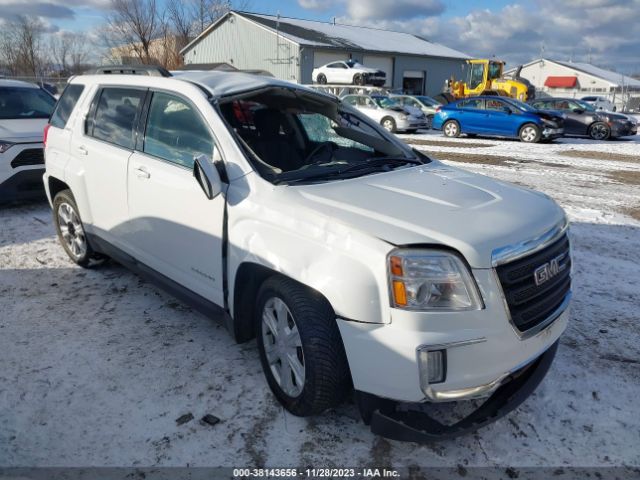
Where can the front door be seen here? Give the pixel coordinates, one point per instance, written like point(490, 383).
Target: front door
point(173, 227)
point(498, 118)
point(575, 123)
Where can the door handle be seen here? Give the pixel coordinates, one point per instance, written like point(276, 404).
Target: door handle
point(82, 150)
point(142, 172)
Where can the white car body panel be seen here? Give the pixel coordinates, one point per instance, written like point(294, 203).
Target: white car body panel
point(333, 237)
point(341, 75)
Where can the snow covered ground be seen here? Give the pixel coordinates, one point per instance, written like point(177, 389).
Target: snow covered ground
point(97, 365)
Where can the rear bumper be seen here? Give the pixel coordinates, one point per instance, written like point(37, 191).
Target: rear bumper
point(411, 422)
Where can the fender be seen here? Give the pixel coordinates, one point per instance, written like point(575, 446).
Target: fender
point(328, 257)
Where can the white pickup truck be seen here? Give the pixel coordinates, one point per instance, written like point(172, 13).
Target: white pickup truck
point(359, 264)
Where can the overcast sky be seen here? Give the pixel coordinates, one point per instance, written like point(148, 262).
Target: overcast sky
point(605, 31)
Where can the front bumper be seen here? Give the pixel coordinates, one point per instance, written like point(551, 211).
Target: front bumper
point(411, 422)
point(22, 185)
point(482, 348)
point(623, 129)
point(552, 132)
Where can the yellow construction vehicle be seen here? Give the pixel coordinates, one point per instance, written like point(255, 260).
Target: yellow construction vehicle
point(486, 77)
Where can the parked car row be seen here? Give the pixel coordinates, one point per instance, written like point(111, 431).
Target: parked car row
point(537, 121)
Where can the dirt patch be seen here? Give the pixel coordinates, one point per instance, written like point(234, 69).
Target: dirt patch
point(628, 177)
point(444, 143)
point(487, 159)
point(633, 212)
point(594, 154)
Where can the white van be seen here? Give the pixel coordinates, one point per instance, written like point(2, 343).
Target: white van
point(359, 264)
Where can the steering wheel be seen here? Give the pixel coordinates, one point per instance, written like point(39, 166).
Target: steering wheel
point(323, 146)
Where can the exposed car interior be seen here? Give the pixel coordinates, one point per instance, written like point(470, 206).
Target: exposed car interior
point(292, 135)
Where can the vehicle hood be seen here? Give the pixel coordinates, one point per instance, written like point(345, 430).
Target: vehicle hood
point(367, 69)
point(416, 112)
point(614, 116)
point(435, 204)
point(22, 130)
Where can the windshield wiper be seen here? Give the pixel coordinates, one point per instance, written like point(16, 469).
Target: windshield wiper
point(372, 164)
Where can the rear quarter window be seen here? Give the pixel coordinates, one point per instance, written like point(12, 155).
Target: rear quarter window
point(65, 105)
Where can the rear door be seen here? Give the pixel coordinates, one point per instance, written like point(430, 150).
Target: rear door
point(103, 149)
point(173, 227)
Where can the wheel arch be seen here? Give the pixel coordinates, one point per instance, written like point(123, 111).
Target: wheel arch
point(56, 186)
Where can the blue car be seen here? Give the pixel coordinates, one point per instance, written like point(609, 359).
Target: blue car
point(498, 116)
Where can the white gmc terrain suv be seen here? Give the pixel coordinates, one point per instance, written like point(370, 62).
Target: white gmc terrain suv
point(358, 263)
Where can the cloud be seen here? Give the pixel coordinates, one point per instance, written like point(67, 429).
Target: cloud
point(607, 32)
point(13, 9)
point(360, 10)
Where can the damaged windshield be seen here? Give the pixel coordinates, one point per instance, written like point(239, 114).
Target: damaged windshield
point(294, 136)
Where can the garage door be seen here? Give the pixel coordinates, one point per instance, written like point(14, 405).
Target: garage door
point(381, 63)
point(322, 58)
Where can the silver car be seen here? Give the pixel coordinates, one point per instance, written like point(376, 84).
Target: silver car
point(427, 104)
point(388, 113)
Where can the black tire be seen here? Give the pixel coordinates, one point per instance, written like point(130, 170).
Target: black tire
point(451, 128)
point(358, 79)
point(389, 124)
point(322, 79)
point(599, 131)
point(530, 133)
point(326, 371)
point(412, 130)
point(71, 233)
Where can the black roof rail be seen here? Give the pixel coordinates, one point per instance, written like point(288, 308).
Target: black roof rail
point(152, 70)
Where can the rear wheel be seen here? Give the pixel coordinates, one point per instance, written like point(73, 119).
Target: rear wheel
point(300, 347)
point(451, 128)
point(388, 124)
point(530, 133)
point(70, 230)
point(322, 79)
point(599, 131)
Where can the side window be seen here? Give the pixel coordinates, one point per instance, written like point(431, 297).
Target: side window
point(350, 100)
point(473, 103)
point(175, 131)
point(368, 102)
point(540, 105)
point(65, 105)
point(115, 115)
point(333, 65)
point(492, 104)
point(562, 105)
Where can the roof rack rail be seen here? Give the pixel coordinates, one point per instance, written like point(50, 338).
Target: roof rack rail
point(152, 70)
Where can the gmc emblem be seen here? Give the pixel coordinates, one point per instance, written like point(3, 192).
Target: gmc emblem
point(546, 272)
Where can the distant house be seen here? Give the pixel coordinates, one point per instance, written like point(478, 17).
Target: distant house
point(576, 79)
point(290, 48)
point(163, 51)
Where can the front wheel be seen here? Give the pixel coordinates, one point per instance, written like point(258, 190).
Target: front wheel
point(322, 79)
point(599, 131)
point(451, 129)
point(358, 79)
point(300, 347)
point(530, 133)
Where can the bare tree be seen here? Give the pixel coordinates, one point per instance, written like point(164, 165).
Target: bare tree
point(70, 51)
point(133, 25)
point(21, 47)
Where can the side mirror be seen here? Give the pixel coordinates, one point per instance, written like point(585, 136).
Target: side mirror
point(578, 110)
point(207, 176)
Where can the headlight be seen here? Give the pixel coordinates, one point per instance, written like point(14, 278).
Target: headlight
point(4, 146)
point(423, 279)
point(549, 123)
point(404, 116)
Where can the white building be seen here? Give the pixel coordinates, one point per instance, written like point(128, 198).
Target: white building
point(577, 80)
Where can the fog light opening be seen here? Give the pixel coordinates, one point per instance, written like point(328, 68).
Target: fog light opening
point(433, 367)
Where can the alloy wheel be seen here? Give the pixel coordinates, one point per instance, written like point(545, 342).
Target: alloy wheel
point(599, 131)
point(528, 134)
point(451, 129)
point(283, 347)
point(71, 230)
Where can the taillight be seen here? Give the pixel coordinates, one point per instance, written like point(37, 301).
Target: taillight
point(46, 134)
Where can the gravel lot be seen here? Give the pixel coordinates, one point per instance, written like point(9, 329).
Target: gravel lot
point(97, 365)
